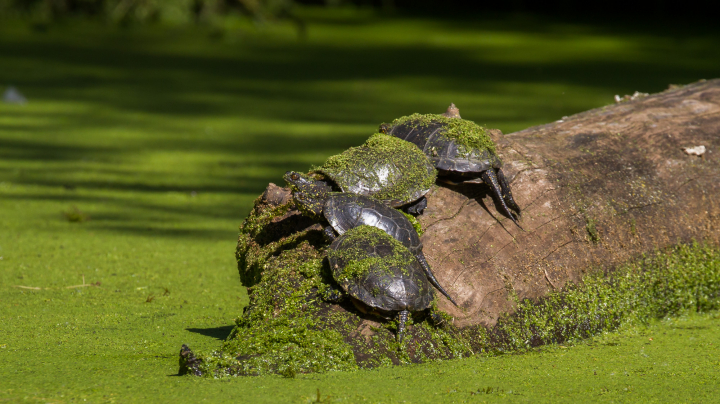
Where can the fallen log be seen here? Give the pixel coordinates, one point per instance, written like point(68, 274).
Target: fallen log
point(597, 190)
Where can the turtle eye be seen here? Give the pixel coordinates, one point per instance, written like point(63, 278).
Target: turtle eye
point(295, 176)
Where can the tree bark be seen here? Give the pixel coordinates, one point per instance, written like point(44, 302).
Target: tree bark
point(596, 189)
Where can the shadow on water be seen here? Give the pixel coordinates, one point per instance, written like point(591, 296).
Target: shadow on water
point(220, 333)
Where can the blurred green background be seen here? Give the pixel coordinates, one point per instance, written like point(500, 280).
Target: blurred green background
point(147, 133)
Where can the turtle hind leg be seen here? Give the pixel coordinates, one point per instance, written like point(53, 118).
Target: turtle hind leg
point(402, 319)
point(431, 277)
point(330, 233)
point(489, 177)
point(506, 192)
point(417, 207)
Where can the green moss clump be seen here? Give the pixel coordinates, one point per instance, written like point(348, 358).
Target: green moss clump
point(592, 230)
point(355, 261)
point(385, 167)
point(464, 132)
point(681, 279)
point(415, 223)
point(280, 331)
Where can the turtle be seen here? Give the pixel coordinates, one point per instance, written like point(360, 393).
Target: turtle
point(460, 149)
point(384, 167)
point(344, 211)
point(380, 274)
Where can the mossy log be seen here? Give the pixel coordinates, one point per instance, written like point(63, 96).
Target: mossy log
point(597, 189)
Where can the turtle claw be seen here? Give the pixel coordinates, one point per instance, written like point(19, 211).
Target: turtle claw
point(507, 193)
point(417, 208)
point(402, 319)
point(431, 277)
point(330, 233)
point(490, 178)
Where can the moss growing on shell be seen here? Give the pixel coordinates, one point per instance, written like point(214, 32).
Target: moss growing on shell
point(358, 262)
point(464, 132)
point(386, 167)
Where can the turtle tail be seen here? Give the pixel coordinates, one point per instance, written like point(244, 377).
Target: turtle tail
point(431, 277)
point(506, 192)
point(489, 177)
point(402, 319)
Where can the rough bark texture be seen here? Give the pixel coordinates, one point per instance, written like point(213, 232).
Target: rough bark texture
point(596, 189)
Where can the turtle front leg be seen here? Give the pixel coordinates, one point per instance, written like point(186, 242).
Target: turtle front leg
point(488, 176)
point(431, 277)
point(333, 294)
point(506, 192)
point(330, 233)
point(417, 208)
point(402, 319)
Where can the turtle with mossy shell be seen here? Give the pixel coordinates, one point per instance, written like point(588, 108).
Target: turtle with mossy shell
point(344, 211)
point(386, 168)
point(380, 274)
point(461, 150)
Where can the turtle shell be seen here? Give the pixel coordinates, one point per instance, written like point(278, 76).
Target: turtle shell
point(346, 211)
point(379, 271)
point(385, 168)
point(452, 144)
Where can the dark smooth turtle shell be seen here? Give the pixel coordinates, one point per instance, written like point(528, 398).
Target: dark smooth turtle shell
point(445, 153)
point(389, 288)
point(346, 211)
point(383, 168)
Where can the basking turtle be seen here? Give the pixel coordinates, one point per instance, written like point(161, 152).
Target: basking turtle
point(344, 211)
point(461, 150)
point(385, 168)
point(379, 272)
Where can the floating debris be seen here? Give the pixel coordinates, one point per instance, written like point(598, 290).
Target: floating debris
point(695, 151)
point(13, 96)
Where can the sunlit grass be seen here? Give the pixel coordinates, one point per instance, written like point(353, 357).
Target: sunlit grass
point(163, 137)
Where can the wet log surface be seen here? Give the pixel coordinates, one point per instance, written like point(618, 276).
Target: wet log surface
point(596, 189)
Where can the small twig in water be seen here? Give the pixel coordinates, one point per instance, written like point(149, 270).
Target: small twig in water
point(28, 287)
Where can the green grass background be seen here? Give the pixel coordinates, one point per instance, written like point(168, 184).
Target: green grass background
point(163, 137)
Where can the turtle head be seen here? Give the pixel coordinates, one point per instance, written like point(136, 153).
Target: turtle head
point(452, 112)
point(308, 204)
point(307, 184)
point(297, 180)
point(384, 128)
